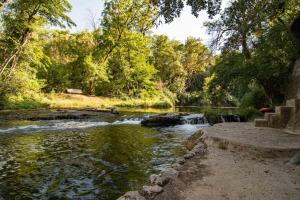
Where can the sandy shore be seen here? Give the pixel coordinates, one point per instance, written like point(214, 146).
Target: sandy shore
point(241, 162)
point(232, 161)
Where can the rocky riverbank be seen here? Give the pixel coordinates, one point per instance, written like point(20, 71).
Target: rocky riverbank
point(54, 114)
point(230, 161)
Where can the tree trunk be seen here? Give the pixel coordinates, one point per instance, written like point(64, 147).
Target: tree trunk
point(14, 58)
point(15, 54)
point(245, 48)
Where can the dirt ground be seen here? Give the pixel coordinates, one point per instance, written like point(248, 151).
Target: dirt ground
point(229, 171)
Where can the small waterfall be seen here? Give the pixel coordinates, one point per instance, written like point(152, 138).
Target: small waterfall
point(230, 118)
point(195, 119)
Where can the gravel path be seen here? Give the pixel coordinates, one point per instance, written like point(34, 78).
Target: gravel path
point(242, 163)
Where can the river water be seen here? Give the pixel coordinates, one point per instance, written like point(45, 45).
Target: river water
point(84, 159)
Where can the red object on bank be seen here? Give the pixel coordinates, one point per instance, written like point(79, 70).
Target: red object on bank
point(266, 110)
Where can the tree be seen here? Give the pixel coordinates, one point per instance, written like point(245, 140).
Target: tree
point(242, 22)
point(172, 8)
point(167, 60)
point(196, 58)
point(130, 70)
point(21, 20)
point(3, 3)
point(121, 17)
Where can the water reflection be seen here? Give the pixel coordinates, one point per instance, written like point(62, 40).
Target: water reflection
point(96, 163)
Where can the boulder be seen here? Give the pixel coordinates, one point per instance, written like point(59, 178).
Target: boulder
point(163, 120)
point(170, 173)
point(114, 111)
point(132, 195)
point(172, 119)
point(158, 180)
point(151, 191)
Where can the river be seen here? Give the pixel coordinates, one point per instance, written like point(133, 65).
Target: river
point(84, 159)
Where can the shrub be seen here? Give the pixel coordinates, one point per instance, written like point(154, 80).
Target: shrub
point(249, 113)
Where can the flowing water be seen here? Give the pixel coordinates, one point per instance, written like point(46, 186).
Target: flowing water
point(85, 159)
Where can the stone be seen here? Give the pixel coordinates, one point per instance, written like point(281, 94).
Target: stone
point(295, 160)
point(293, 88)
point(170, 173)
point(163, 120)
point(159, 180)
point(176, 166)
point(180, 160)
point(151, 191)
point(114, 111)
point(189, 155)
point(172, 119)
point(295, 103)
point(199, 149)
point(285, 113)
point(132, 195)
point(261, 122)
point(276, 122)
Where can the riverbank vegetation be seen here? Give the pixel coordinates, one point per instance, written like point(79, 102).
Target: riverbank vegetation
point(124, 63)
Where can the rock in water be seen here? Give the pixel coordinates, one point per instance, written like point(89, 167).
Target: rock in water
point(172, 119)
point(114, 111)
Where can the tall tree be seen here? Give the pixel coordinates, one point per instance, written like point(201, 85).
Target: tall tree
point(20, 22)
point(241, 23)
point(171, 9)
point(196, 59)
point(167, 60)
point(121, 17)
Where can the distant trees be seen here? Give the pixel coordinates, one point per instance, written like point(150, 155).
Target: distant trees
point(120, 57)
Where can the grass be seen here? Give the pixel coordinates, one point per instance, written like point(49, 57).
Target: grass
point(76, 100)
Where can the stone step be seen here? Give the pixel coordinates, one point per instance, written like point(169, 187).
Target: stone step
point(268, 116)
point(285, 112)
point(276, 121)
point(295, 103)
point(261, 123)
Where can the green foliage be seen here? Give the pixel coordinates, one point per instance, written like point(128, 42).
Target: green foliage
point(249, 113)
point(167, 60)
point(172, 9)
point(123, 60)
point(258, 51)
point(20, 20)
point(23, 91)
point(256, 98)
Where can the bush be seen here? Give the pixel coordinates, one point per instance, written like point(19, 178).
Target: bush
point(21, 91)
point(249, 114)
point(256, 98)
